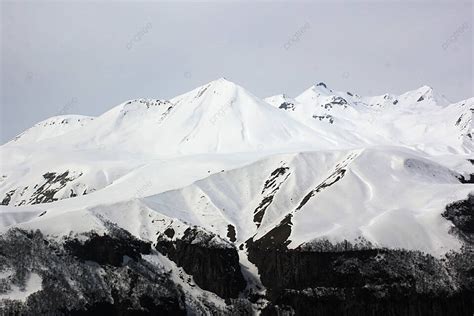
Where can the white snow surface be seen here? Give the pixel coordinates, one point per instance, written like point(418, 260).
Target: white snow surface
point(206, 158)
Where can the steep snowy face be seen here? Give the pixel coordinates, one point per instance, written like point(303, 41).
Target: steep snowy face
point(223, 117)
point(337, 196)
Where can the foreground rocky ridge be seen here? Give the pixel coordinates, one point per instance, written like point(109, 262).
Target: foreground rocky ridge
point(73, 284)
point(92, 275)
point(361, 282)
point(320, 278)
point(112, 274)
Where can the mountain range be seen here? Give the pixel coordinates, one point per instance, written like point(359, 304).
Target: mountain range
point(221, 202)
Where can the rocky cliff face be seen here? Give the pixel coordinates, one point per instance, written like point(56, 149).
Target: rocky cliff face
point(359, 282)
point(348, 279)
point(214, 265)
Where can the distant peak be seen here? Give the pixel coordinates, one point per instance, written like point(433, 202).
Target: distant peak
point(221, 83)
point(222, 80)
point(423, 93)
point(426, 90)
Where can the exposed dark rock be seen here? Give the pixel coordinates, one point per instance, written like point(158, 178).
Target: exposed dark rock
point(321, 84)
point(335, 101)
point(270, 188)
point(261, 208)
point(339, 100)
point(201, 92)
point(349, 302)
point(271, 181)
point(53, 184)
point(231, 233)
point(360, 282)
point(108, 250)
point(420, 99)
point(169, 232)
point(328, 117)
point(277, 238)
point(337, 175)
point(8, 196)
point(287, 106)
point(461, 214)
point(213, 263)
point(466, 179)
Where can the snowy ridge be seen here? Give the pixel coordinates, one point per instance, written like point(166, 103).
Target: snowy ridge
point(52, 127)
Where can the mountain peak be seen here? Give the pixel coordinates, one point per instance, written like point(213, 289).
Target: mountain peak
point(217, 86)
point(426, 88)
point(424, 94)
point(423, 90)
point(221, 81)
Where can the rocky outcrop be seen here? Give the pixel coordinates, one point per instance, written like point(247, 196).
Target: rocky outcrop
point(461, 214)
point(287, 106)
point(69, 286)
point(359, 282)
point(49, 188)
point(321, 278)
point(108, 250)
point(213, 263)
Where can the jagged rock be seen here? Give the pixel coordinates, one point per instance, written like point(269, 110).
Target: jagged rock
point(214, 266)
point(461, 214)
point(287, 106)
point(108, 250)
point(321, 84)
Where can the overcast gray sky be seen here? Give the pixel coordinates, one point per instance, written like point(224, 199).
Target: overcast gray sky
point(84, 58)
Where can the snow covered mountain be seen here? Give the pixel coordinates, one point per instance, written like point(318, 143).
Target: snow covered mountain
point(201, 188)
point(420, 118)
